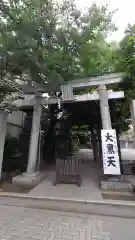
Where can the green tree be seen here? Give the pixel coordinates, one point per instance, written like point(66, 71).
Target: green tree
point(37, 35)
point(125, 62)
point(95, 52)
point(48, 43)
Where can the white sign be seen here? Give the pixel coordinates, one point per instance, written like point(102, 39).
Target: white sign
point(111, 161)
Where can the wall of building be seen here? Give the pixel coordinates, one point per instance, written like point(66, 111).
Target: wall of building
point(126, 143)
point(126, 138)
point(15, 123)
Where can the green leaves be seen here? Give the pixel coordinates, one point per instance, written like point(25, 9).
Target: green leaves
point(125, 62)
point(52, 42)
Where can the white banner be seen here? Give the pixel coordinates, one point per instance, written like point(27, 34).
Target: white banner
point(111, 161)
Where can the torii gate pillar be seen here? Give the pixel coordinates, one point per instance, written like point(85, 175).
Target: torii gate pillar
point(104, 107)
point(32, 177)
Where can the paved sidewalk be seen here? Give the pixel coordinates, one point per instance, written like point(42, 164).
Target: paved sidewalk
point(89, 190)
point(34, 224)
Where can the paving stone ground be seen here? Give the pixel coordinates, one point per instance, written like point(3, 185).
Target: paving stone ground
point(17, 223)
point(89, 190)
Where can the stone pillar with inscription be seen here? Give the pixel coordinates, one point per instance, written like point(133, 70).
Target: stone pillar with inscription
point(111, 164)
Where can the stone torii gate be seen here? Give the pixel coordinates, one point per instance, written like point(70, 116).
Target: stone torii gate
point(102, 95)
point(32, 177)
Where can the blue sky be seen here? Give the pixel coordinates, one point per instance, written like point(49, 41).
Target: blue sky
point(125, 13)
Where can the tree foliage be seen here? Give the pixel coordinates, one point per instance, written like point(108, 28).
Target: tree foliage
point(125, 62)
point(47, 42)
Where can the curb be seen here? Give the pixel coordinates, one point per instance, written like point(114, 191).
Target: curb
point(115, 195)
point(106, 208)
